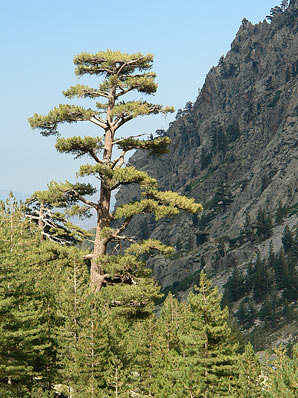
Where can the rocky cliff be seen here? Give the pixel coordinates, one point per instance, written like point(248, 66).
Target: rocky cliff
point(235, 150)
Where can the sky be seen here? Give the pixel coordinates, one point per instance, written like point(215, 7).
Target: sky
point(39, 38)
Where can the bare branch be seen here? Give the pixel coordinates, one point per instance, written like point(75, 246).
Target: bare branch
point(123, 91)
point(88, 256)
point(128, 63)
point(95, 157)
point(123, 139)
point(119, 160)
point(122, 121)
point(98, 121)
point(32, 217)
point(54, 238)
point(123, 226)
point(123, 237)
point(72, 191)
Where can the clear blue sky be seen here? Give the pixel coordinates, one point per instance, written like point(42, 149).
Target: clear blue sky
point(38, 42)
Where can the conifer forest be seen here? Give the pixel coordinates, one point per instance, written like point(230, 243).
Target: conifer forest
point(91, 314)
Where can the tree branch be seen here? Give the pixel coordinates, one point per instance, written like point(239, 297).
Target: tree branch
point(98, 121)
point(123, 226)
point(123, 237)
point(123, 139)
point(123, 91)
point(122, 121)
point(73, 192)
point(88, 256)
point(119, 160)
point(95, 157)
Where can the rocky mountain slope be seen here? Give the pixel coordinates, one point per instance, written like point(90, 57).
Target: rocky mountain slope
point(236, 151)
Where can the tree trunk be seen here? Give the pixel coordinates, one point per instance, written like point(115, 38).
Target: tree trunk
point(100, 244)
point(41, 223)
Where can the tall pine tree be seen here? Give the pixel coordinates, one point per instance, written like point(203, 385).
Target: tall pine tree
point(122, 73)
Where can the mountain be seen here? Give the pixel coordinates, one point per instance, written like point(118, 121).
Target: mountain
point(236, 151)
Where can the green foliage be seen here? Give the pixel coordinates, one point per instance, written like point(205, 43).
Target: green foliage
point(79, 146)
point(235, 288)
point(105, 62)
point(263, 224)
point(27, 320)
point(133, 109)
point(121, 73)
point(248, 231)
point(41, 208)
point(271, 281)
point(284, 380)
point(182, 285)
point(261, 279)
point(55, 328)
point(246, 313)
point(210, 367)
point(250, 383)
point(156, 146)
point(130, 175)
point(64, 113)
point(287, 239)
point(281, 213)
point(278, 9)
point(162, 204)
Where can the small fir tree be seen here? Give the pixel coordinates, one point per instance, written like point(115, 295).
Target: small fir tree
point(287, 239)
point(209, 353)
point(264, 225)
point(251, 379)
point(172, 325)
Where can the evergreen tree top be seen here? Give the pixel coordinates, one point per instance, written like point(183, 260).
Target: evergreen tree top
point(111, 62)
point(121, 73)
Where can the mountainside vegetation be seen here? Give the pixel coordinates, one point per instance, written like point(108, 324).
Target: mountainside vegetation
point(60, 338)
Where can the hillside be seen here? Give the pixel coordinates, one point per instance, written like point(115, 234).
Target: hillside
point(236, 151)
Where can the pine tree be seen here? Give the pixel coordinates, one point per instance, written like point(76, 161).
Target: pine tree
point(73, 309)
point(172, 325)
point(209, 354)
point(23, 338)
point(141, 340)
point(264, 225)
point(260, 278)
point(287, 239)
point(122, 73)
point(251, 380)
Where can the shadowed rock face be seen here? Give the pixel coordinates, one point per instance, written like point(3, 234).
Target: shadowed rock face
point(235, 151)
